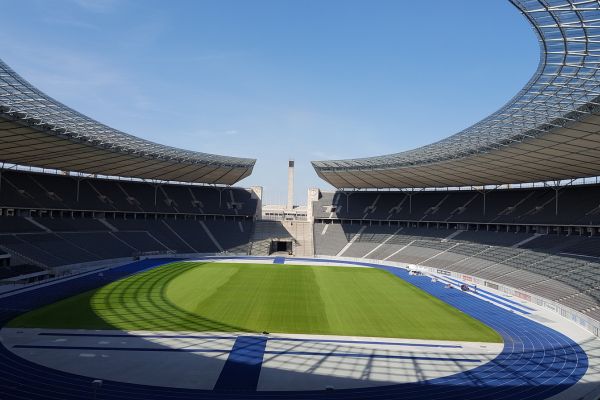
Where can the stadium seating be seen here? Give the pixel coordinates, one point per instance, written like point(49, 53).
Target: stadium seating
point(76, 240)
point(556, 267)
point(55, 220)
point(17, 225)
point(12, 271)
point(576, 205)
point(27, 190)
point(48, 227)
point(520, 241)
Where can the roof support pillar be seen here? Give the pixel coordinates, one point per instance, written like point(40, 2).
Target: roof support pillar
point(77, 193)
point(483, 192)
point(348, 202)
point(555, 201)
point(347, 194)
point(557, 187)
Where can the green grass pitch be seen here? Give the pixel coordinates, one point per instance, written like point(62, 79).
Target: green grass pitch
point(232, 297)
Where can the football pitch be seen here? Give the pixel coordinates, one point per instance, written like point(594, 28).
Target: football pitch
point(239, 297)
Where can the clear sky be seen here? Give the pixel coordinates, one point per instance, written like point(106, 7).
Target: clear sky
point(275, 79)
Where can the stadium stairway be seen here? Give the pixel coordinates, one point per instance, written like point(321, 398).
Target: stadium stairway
point(300, 232)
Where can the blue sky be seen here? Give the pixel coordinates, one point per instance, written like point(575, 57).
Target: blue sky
point(275, 79)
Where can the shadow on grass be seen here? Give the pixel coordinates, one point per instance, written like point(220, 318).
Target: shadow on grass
point(140, 303)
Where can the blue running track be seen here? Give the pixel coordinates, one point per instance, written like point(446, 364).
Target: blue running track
point(537, 362)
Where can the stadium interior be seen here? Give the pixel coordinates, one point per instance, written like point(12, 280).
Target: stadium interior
point(526, 233)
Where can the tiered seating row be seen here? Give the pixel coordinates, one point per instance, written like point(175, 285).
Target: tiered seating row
point(70, 241)
point(43, 191)
point(562, 269)
point(576, 205)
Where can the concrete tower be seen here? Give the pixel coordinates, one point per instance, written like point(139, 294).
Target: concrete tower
point(290, 202)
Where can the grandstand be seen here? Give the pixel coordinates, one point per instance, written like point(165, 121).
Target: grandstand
point(112, 195)
point(509, 207)
point(511, 201)
point(56, 220)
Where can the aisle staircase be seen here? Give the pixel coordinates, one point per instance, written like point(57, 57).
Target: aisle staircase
point(265, 232)
point(302, 232)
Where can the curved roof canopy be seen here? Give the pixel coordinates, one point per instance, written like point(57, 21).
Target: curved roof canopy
point(36, 130)
point(548, 131)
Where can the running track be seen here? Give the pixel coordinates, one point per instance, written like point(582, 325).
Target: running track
point(536, 362)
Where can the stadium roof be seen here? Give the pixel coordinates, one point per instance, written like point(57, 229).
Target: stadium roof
point(548, 131)
point(36, 130)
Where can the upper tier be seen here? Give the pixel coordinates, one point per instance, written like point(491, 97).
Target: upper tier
point(34, 191)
